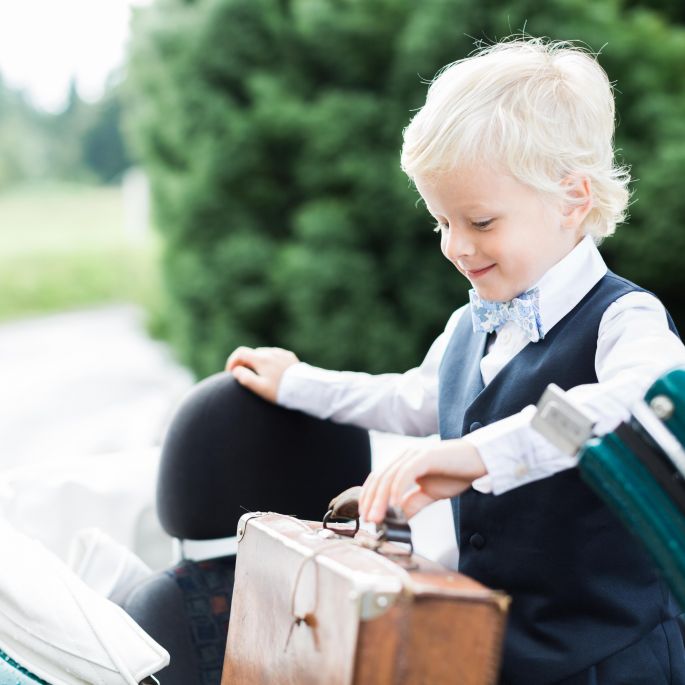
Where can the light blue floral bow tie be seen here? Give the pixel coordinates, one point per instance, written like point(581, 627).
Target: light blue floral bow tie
point(524, 310)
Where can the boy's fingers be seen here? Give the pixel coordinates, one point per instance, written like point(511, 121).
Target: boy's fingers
point(241, 356)
point(415, 500)
point(250, 380)
point(380, 495)
point(371, 508)
point(244, 376)
point(366, 490)
point(406, 475)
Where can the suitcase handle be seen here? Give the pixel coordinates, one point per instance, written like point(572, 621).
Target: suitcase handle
point(330, 517)
point(345, 507)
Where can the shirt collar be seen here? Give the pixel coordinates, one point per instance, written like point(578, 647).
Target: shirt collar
point(564, 285)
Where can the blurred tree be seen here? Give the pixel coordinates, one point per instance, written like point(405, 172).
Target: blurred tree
point(272, 132)
point(103, 148)
point(82, 142)
point(64, 132)
point(22, 144)
point(670, 10)
point(272, 129)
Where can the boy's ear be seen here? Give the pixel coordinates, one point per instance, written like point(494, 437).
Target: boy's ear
point(579, 203)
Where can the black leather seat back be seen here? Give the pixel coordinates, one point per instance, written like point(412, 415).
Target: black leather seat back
point(227, 451)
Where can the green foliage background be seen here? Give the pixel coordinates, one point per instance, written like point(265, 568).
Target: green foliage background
point(272, 129)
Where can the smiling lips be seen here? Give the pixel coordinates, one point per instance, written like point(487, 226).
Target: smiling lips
point(478, 272)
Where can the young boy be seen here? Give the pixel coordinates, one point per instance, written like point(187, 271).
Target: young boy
point(512, 154)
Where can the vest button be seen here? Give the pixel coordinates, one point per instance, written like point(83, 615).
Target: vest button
point(477, 541)
point(475, 426)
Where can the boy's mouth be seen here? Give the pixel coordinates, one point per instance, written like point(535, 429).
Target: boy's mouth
point(477, 273)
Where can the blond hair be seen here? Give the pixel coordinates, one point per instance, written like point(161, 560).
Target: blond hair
point(541, 110)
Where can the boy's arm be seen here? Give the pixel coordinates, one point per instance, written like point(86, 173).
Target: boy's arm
point(634, 347)
point(405, 403)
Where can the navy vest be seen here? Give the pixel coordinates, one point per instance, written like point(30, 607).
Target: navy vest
point(582, 587)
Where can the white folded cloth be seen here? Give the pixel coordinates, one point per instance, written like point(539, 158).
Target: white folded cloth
point(61, 630)
point(105, 565)
point(52, 500)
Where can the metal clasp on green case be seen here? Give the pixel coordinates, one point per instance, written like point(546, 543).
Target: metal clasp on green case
point(562, 422)
point(665, 440)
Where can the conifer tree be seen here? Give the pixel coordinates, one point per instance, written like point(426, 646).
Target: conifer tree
point(272, 132)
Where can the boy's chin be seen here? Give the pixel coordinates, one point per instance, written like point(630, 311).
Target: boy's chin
point(492, 294)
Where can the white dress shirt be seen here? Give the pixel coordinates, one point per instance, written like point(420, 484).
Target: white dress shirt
point(634, 346)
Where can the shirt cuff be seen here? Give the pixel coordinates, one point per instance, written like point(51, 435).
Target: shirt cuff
point(514, 454)
point(295, 388)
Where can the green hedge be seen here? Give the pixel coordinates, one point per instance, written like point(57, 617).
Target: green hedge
point(272, 129)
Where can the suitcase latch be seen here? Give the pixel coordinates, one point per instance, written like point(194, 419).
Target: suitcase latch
point(395, 528)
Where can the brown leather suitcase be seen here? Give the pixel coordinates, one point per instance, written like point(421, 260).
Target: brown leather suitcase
point(311, 606)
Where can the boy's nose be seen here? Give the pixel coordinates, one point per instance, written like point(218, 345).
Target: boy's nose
point(455, 245)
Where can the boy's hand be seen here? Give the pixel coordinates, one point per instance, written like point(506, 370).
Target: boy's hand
point(260, 369)
point(419, 477)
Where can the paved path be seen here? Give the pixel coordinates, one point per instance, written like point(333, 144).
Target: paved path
point(83, 383)
point(85, 398)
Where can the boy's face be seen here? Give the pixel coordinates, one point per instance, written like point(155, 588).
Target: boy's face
point(498, 232)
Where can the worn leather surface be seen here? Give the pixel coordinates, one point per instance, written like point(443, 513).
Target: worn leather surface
point(295, 617)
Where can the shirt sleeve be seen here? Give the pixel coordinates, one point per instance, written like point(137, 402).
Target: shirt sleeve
point(634, 347)
point(404, 403)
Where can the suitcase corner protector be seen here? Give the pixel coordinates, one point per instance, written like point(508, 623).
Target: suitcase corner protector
point(243, 520)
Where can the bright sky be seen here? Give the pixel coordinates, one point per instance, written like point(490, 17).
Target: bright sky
point(43, 43)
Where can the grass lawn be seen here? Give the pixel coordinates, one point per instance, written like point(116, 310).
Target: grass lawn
point(63, 247)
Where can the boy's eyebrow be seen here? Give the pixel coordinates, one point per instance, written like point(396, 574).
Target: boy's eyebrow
point(484, 209)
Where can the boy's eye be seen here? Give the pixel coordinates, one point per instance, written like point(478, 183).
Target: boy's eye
point(480, 225)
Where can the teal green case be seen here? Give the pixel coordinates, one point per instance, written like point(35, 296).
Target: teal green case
point(626, 485)
point(11, 673)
